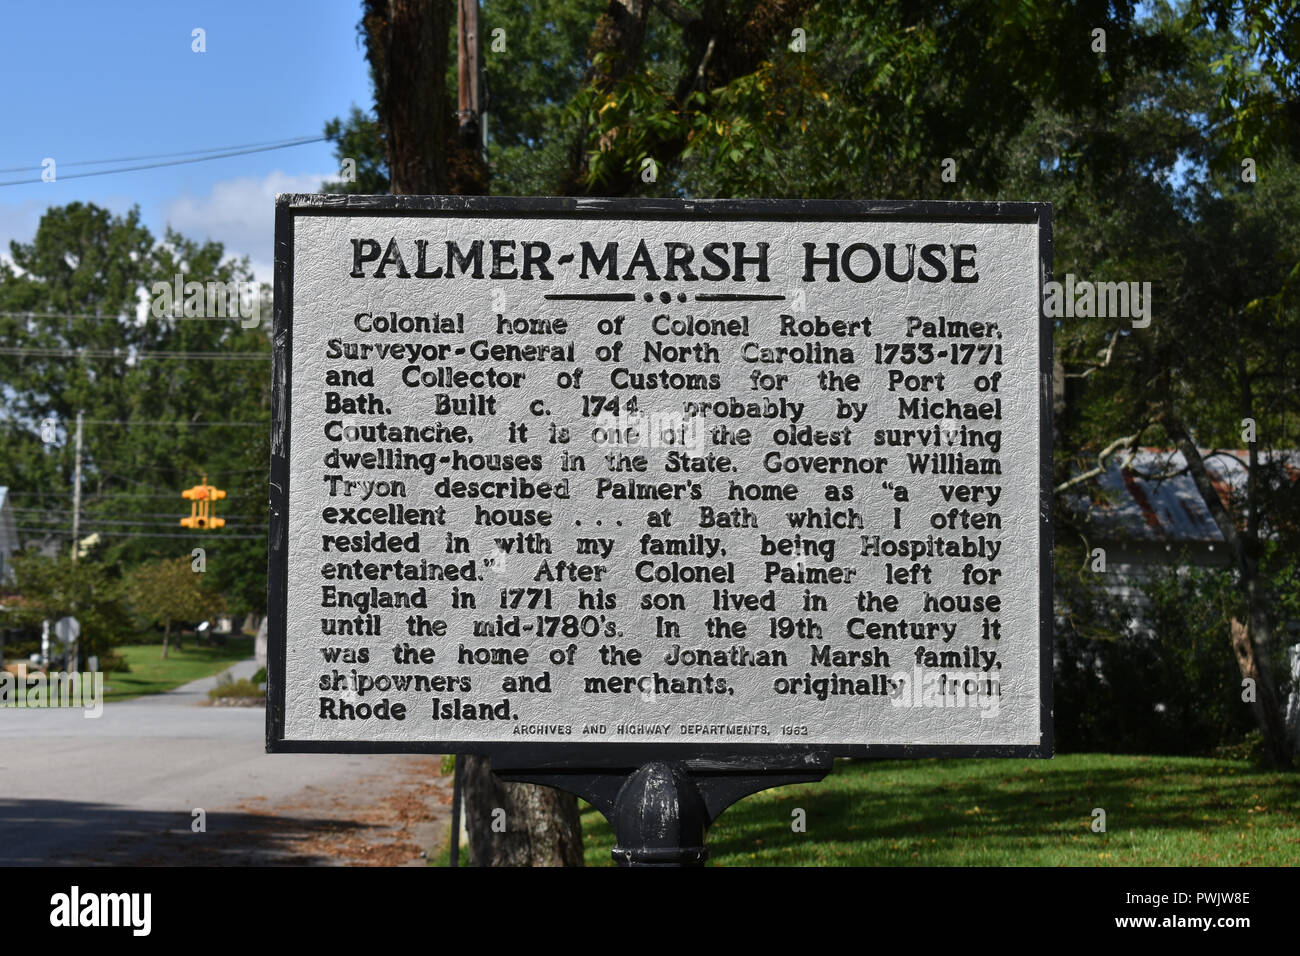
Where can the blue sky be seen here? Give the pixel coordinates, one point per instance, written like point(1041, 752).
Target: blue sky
point(100, 79)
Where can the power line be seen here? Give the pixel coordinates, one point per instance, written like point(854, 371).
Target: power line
point(166, 492)
point(121, 317)
point(218, 472)
point(105, 497)
point(95, 518)
point(184, 152)
point(93, 521)
point(100, 518)
point(169, 492)
point(123, 354)
point(112, 495)
point(127, 534)
point(133, 422)
point(174, 162)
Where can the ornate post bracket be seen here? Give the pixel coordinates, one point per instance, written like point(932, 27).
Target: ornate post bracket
point(661, 809)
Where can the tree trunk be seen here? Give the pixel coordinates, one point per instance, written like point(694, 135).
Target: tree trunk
point(467, 173)
point(167, 633)
point(1250, 642)
point(407, 46)
point(517, 824)
point(1266, 706)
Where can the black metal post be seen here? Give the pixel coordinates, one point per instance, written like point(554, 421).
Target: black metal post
point(662, 809)
point(660, 818)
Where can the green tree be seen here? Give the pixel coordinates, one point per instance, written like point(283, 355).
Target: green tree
point(156, 393)
point(52, 588)
point(1122, 137)
point(171, 591)
point(1258, 104)
point(407, 45)
point(358, 140)
point(1141, 195)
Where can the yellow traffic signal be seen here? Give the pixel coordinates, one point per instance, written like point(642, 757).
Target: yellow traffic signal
point(201, 513)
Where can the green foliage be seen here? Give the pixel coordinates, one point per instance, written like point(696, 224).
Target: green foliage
point(53, 588)
point(79, 287)
point(882, 94)
point(358, 138)
point(530, 85)
point(227, 686)
point(1167, 685)
point(114, 661)
point(1258, 106)
point(169, 591)
point(532, 135)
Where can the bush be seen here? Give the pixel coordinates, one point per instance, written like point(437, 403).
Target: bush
point(115, 662)
point(259, 677)
point(1168, 685)
point(228, 687)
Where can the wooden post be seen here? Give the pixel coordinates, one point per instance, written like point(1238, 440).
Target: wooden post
point(469, 105)
point(76, 493)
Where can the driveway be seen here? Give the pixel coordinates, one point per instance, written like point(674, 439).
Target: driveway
point(127, 788)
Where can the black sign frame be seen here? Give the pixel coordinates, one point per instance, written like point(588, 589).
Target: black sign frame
point(557, 754)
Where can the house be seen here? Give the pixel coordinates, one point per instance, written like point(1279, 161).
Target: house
point(1150, 514)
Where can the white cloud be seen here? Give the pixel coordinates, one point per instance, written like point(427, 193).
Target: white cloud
point(240, 213)
point(18, 221)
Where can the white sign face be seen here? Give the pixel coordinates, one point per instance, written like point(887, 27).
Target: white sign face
point(67, 629)
point(668, 476)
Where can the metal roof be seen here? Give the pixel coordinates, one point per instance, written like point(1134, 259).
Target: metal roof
point(1154, 499)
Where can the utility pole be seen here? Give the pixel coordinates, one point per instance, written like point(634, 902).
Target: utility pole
point(469, 101)
point(481, 90)
point(76, 493)
point(467, 113)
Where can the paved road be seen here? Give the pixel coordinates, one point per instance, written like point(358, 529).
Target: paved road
point(122, 788)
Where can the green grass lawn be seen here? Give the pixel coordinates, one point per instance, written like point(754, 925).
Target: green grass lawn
point(1160, 811)
point(149, 674)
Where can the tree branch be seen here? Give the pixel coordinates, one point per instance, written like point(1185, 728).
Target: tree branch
point(1205, 485)
point(1110, 353)
point(1131, 441)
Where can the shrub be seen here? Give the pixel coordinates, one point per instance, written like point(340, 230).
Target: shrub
point(1168, 684)
point(228, 687)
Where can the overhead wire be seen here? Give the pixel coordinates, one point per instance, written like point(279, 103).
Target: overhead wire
point(68, 352)
point(184, 152)
point(119, 316)
point(53, 533)
point(132, 422)
point(175, 162)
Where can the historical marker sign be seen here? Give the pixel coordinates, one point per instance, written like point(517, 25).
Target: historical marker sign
point(711, 475)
